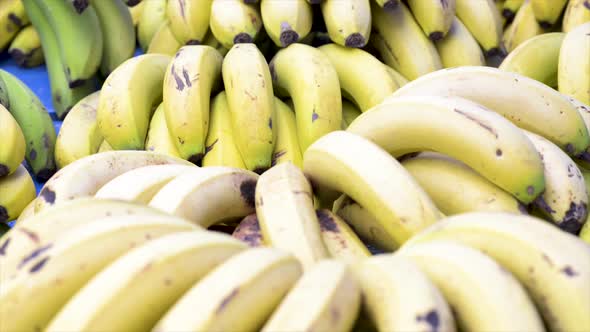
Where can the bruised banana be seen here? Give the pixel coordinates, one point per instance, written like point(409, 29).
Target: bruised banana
point(158, 137)
point(248, 231)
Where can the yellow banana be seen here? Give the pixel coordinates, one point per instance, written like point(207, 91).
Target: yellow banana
point(286, 22)
point(158, 137)
point(163, 41)
point(483, 20)
point(547, 12)
point(26, 49)
point(459, 48)
point(17, 190)
point(340, 240)
point(152, 16)
point(574, 64)
point(12, 148)
point(136, 12)
point(287, 148)
point(12, 18)
point(434, 16)
point(234, 22)
point(348, 21)
point(576, 13)
point(189, 20)
point(523, 28)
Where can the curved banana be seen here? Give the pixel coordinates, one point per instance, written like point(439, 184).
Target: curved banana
point(259, 275)
point(158, 137)
point(348, 21)
point(308, 77)
point(510, 8)
point(34, 121)
point(523, 27)
point(80, 48)
point(124, 110)
point(17, 190)
point(349, 113)
point(536, 107)
point(547, 12)
point(412, 53)
point(248, 231)
point(347, 163)
point(459, 48)
point(79, 135)
point(328, 287)
point(189, 20)
point(220, 147)
point(576, 13)
point(537, 58)
point(115, 20)
point(158, 273)
point(85, 176)
point(25, 49)
point(481, 138)
point(13, 17)
point(286, 214)
point(249, 90)
point(286, 22)
point(455, 188)
point(51, 275)
point(12, 149)
point(163, 41)
point(287, 148)
point(483, 20)
point(574, 64)
point(532, 250)
point(152, 17)
point(470, 279)
point(190, 77)
point(141, 184)
point(222, 193)
point(400, 297)
point(434, 16)
point(340, 240)
point(234, 22)
point(565, 200)
point(362, 77)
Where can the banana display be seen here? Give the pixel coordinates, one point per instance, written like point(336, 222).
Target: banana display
point(353, 165)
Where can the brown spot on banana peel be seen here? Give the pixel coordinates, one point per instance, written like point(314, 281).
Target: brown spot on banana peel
point(242, 38)
point(542, 204)
point(34, 254)
point(4, 246)
point(226, 301)
point(431, 318)
point(587, 4)
point(193, 42)
point(15, 20)
point(248, 231)
point(260, 170)
point(569, 271)
point(326, 221)
point(186, 77)
point(177, 79)
point(474, 119)
point(33, 154)
point(47, 195)
point(80, 5)
point(574, 218)
point(355, 40)
point(37, 267)
point(248, 192)
point(30, 234)
point(132, 3)
point(182, 5)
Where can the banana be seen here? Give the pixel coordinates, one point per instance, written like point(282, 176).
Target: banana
point(328, 287)
point(397, 77)
point(565, 200)
point(260, 275)
point(248, 231)
point(398, 296)
point(163, 41)
point(190, 77)
point(27, 212)
point(287, 148)
point(348, 21)
point(25, 48)
point(16, 191)
point(465, 277)
point(136, 12)
point(220, 147)
point(189, 20)
point(459, 48)
point(536, 107)
point(340, 240)
point(364, 224)
point(64, 97)
point(104, 147)
point(286, 214)
point(12, 18)
point(349, 113)
point(12, 149)
point(553, 265)
point(574, 64)
point(234, 22)
point(481, 138)
point(44, 227)
point(307, 75)
point(152, 17)
point(347, 163)
point(409, 51)
point(483, 20)
point(455, 188)
point(115, 20)
point(537, 58)
point(362, 77)
point(250, 97)
point(523, 28)
point(434, 16)
point(158, 273)
point(547, 12)
point(221, 193)
point(85, 176)
point(158, 137)
point(124, 110)
point(286, 22)
point(80, 48)
point(79, 135)
point(51, 275)
point(34, 121)
point(141, 184)
point(510, 8)
point(576, 13)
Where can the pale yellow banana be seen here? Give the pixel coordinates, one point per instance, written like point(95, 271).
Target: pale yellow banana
point(459, 48)
point(574, 64)
point(523, 28)
point(434, 16)
point(286, 22)
point(576, 13)
point(158, 138)
point(234, 22)
point(348, 21)
point(339, 238)
point(483, 20)
point(189, 20)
